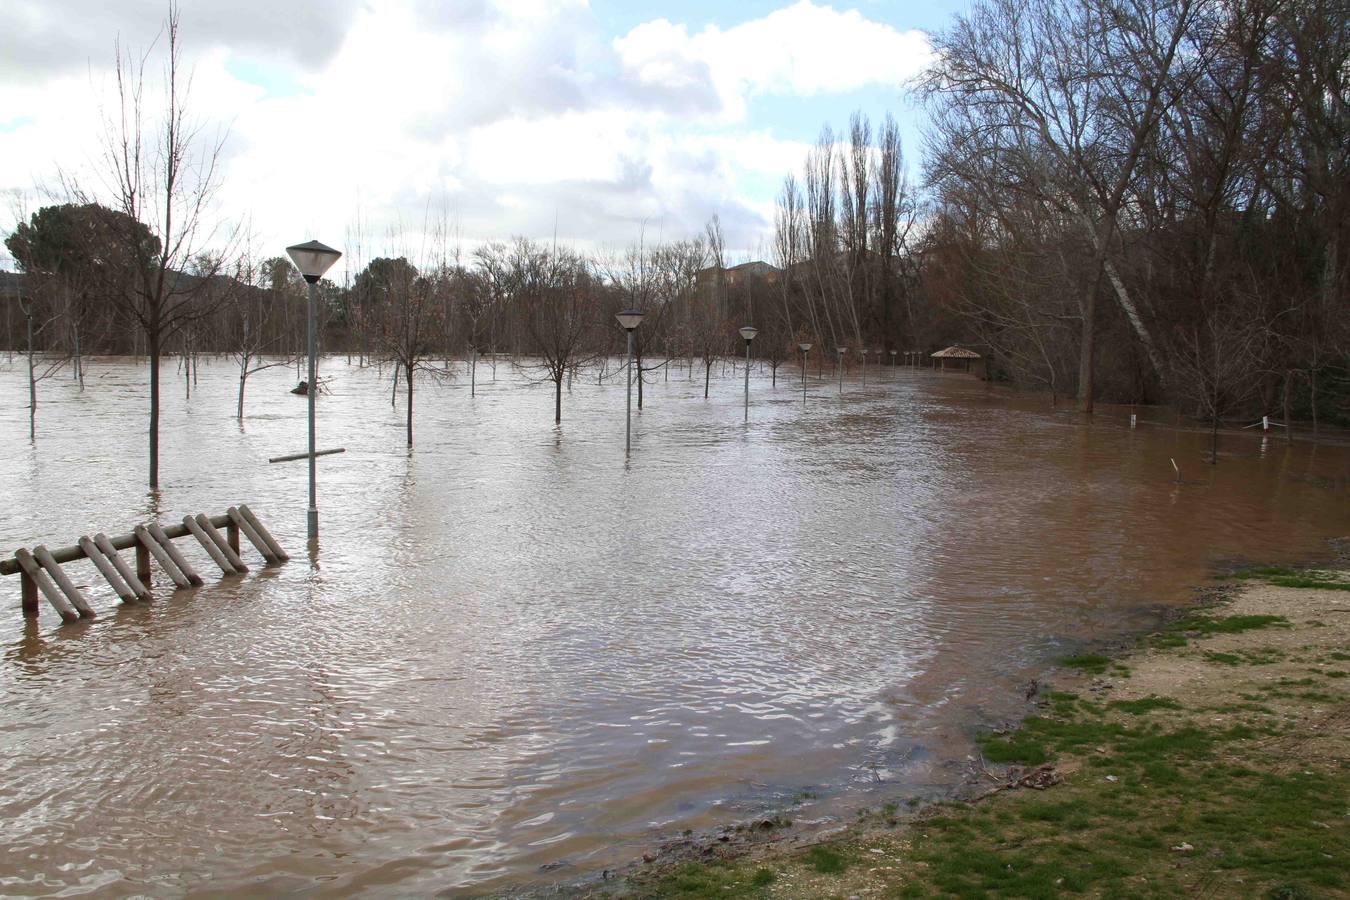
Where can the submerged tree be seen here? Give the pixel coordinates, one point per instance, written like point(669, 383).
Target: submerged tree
point(163, 175)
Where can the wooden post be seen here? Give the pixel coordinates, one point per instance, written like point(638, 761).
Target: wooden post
point(143, 573)
point(240, 524)
point(232, 536)
point(209, 546)
point(105, 568)
point(138, 587)
point(30, 596)
point(219, 540)
point(44, 584)
point(165, 562)
point(178, 559)
point(63, 581)
point(244, 515)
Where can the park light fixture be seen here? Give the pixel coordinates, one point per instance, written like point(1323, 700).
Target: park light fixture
point(629, 319)
point(312, 259)
point(748, 332)
point(841, 351)
point(805, 347)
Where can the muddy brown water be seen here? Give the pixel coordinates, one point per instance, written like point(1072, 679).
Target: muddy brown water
point(518, 658)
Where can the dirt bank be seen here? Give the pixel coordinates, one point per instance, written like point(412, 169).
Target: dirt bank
point(1210, 758)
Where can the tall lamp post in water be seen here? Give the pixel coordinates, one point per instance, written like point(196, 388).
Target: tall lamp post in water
point(630, 319)
point(748, 332)
point(804, 346)
point(312, 259)
point(842, 351)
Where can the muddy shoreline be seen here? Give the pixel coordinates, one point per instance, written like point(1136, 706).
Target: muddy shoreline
point(784, 836)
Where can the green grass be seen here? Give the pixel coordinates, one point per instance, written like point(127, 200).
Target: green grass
point(1264, 656)
point(1092, 663)
point(1284, 576)
point(1151, 775)
point(1145, 705)
point(825, 860)
point(1204, 625)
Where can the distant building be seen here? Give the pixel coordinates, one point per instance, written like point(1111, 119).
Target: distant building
point(738, 275)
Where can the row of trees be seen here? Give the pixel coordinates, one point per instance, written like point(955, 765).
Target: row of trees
point(550, 307)
point(1148, 199)
point(1136, 200)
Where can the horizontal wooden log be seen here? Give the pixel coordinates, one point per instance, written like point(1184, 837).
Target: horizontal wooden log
point(120, 542)
point(291, 457)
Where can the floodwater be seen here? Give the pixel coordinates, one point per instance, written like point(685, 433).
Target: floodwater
point(518, 657)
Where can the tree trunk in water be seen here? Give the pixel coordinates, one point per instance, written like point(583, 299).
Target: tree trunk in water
point(1214, 442)
point(393, 395)
point(1288, 421)
point(1086, 346)
point(243, 379)
point(707, 376)
point(153, 341)
point(557, 399)
point(1312, 398)
point(410, 403)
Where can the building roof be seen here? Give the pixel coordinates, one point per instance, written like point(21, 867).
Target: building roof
point(955, 352)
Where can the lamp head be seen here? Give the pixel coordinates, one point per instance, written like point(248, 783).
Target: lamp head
point(313, 259)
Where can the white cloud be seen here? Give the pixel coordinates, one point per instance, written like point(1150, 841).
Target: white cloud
point(512, 114)
point(803, 49)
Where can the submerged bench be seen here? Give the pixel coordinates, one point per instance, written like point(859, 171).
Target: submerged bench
point(40, 571)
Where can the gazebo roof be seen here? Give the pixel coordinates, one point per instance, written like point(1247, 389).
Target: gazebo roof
point(955, 352)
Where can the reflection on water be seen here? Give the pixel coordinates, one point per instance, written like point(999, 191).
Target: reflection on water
point(516, 650)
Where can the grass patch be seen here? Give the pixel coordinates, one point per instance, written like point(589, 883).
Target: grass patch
point(1091, 663)
point(1145, 776)
point(1144, 705)
point(1284, 576)
point(825, 860)
point(1264, 656)
point(1228, 624)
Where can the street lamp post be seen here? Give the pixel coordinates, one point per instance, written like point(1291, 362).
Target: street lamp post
point(893, 354)
point(748, 332)
point(804, 346)
point(312, 259)
point(630, 319)
point(842, 351)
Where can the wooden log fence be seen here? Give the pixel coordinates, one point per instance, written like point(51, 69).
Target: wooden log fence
point(41, 574)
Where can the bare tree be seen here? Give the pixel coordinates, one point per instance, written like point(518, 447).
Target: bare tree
point(161, 174)
point(556, 293)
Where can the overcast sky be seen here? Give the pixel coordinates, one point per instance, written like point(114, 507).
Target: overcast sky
point(513, 116)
